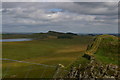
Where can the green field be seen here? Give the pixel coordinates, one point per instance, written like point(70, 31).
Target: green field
point(41, 56)
point(45, 51)
point(102, 51)
point(105, 49)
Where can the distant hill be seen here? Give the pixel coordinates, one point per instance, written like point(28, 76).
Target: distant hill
point(49, 34)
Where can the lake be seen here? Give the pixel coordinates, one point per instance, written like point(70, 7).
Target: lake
point(14, 40)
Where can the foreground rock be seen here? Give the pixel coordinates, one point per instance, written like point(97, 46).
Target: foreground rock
point(95, 70)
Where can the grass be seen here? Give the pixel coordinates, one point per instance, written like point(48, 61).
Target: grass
point(108, 51)
point(105, 49)
point(22, 70)
point(79, 60)
point(48, 51)
point(51, 51)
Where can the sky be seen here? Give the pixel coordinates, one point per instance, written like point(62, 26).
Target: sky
point(77, 17)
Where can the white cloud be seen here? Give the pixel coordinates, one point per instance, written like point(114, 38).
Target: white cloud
point(75, 17)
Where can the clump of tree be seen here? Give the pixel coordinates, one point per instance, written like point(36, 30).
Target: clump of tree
point(71, 34)
point(58, 35)
point(54, 33)
point(64, 37)
point(39, 35)
point(61, 35)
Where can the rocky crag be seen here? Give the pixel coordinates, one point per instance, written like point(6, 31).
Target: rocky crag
point(95, 68)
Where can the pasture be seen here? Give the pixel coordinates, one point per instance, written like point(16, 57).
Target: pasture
point(47, 51)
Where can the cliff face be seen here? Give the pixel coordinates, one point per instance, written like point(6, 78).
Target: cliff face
point(103, 60)
point(94, 70)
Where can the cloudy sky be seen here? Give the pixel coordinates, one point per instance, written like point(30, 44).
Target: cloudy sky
point(78, 17)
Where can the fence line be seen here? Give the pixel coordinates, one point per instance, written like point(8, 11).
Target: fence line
point(27, 62)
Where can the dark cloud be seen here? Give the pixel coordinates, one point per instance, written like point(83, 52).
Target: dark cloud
point(61, 16)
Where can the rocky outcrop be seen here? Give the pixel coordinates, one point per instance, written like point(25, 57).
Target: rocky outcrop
point(95, 70)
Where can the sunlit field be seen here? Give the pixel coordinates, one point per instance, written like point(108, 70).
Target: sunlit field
point(49, 52)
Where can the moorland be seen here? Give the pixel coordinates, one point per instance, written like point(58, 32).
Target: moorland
point(53, 48)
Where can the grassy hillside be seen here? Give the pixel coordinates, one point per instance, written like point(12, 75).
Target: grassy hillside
point(50, 51)
point(105, 49)
point(53, 51)
point(104, 53)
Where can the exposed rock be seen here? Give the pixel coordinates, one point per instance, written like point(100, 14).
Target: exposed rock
point(95, 70)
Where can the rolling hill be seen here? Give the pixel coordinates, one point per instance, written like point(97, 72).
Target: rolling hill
point(104, 48)
point(100, 60)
